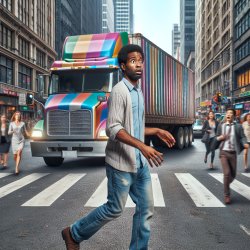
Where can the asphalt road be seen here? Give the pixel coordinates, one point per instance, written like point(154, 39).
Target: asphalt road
point(189, 211)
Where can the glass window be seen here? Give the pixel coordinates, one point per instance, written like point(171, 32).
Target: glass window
point(24, 77)
point(6, 70)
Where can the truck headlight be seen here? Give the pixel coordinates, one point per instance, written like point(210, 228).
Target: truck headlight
point(102, 133)
point(37, 133)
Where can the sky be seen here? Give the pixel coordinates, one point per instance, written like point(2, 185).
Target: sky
point(154, 19)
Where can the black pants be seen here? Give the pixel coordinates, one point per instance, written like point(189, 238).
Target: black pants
point(208, 150)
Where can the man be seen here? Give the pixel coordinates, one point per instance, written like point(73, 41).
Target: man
point(233, 141)
point(126, 157)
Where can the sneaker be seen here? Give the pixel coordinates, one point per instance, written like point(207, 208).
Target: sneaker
point(69, 242)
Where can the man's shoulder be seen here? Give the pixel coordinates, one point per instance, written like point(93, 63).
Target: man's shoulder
point(119, 88)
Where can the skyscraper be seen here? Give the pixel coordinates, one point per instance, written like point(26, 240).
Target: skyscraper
point(124, 16)
point(187, 28)
point(108, 16)
point(175, 40)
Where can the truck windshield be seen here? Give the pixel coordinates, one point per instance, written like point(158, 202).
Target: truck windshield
point(77, 81)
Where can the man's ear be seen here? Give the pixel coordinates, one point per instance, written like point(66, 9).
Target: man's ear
point(123, 66)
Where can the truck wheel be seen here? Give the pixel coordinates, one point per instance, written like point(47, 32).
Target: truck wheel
point(191, 135)
point(186, 137)
point(53, 161)
point(179, 138)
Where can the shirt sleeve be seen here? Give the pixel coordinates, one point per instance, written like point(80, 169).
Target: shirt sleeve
point(116, 113)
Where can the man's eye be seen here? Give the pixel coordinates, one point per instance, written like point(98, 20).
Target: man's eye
point(132, 61)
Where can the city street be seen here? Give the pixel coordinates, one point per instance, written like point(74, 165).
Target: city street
point(189, 210)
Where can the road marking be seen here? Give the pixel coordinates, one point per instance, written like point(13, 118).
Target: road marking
point(99, 197)
point(246, 174)
point(247, 231)
point(200, 195)
point(237, 186)
point(4, 174)
point(13, 186)
point(53, 192)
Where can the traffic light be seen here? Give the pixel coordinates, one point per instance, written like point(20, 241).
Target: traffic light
point(29, 99)
point(219, 97)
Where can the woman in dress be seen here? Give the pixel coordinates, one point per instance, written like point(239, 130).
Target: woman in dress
point(4, 141)
point(246, 128)
point(210, 127)
point(17, 129)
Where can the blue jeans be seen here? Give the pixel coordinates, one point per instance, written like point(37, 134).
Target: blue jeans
point(120, 184)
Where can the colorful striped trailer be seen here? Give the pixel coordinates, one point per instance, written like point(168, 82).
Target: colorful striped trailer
point(168, 88)
point(76, 109)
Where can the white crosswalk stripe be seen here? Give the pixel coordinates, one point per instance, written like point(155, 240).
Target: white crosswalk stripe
point(237, 186)
point(99, 197)
point(53, 192)
point(200, 195)
point(13, 186)
point(246, 174)
point(4, 174)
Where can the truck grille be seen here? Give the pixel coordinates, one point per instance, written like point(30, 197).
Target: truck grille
point(69, 123)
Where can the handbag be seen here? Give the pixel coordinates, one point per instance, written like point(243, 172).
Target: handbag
point(215, 144)
point(205, 137)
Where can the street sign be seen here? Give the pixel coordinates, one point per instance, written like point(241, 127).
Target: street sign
point(22, 99)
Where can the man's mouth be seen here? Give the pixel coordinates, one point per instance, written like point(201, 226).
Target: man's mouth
point(138, 72)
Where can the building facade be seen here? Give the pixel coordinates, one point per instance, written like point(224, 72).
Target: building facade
point(187, 28)
point(215, 63)
point(124, 16)
point(27, 42)
point(175, 40)
point(241, 58)
point(108, 16)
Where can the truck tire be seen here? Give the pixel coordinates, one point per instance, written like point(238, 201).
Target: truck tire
point(186, 137)
point(191, 135)
point(53, 161)
point(179, 138)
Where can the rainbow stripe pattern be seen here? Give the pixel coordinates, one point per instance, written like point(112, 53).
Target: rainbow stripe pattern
point(96, 50)
point(81, 101)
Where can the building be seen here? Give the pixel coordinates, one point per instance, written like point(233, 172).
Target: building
point(108, 16)
point(27, 42)
point(175, 40)
point(75, 17)
point(187, 28)
point(198, 55)
point(215, 50)
point(241, 59)
point(124, 16)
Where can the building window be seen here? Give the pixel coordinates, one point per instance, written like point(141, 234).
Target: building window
point(23, 11)
point(40, 58)
point(6, 70)
point(24, 77)
point(41, 19)
point(243, 51)
point(5, 37)
point(243, 78)
point(240, 6)
point(7, 4)
point(23, 48)
point(50, 62)
point(242, 26)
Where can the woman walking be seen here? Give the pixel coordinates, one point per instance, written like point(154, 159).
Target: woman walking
point(246, 128)
point(17, 129)
point(4, 141)
point(210, 127)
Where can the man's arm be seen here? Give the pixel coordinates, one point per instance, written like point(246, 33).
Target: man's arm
point(164, 135)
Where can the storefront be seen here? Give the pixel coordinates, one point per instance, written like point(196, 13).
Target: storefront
point(242, 100)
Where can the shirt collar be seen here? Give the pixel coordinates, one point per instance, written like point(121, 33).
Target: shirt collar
point(129, 84)
point(227, 123)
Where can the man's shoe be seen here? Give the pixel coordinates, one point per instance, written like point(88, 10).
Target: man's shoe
point(69, 242)
point(227, 200)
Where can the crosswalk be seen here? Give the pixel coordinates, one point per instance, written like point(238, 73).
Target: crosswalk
point(199, 194)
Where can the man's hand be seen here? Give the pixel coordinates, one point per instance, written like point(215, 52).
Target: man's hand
point(166, 137)
point(153, 156)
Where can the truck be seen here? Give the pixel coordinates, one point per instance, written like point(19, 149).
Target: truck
point(76, 110)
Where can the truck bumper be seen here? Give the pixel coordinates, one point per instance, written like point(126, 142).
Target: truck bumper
point(68, 149)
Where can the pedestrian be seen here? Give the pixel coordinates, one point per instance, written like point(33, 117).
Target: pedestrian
point(127, 158)
point(246, 127)
point(17, 129)
point(5, 140)
point(210, 127)
point(233, 141)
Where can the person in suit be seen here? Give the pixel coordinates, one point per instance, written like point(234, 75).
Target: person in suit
point(5, 140)
point(233, 141)
point(210, 126)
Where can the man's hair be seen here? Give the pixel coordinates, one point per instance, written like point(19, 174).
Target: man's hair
point(234, 112)
point(124, 51)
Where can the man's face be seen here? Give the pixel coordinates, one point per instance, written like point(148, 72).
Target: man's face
point(230, 116)
point(133, 67)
